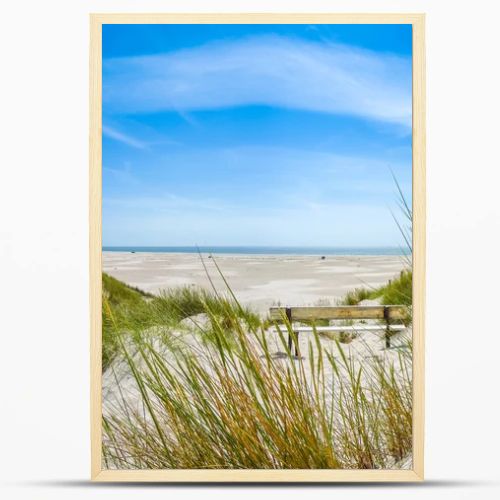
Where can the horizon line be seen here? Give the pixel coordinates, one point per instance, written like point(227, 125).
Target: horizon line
point(250, 246)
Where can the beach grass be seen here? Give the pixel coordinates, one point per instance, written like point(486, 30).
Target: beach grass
point(129, 309)
point(396, 291)
point(354, 297)
point(221, 394)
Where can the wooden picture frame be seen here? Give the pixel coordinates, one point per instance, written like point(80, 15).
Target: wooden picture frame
point(418, 144)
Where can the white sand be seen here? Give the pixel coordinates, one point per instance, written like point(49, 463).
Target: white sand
point(259, 281)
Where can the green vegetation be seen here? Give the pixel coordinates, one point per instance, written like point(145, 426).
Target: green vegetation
point(127, 309)
point(397, 291)
point(355, 296)
point(123, 303)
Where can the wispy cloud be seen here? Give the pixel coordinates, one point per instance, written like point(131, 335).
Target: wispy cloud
point(270, 70)
point(124, 138)
point(168, 202)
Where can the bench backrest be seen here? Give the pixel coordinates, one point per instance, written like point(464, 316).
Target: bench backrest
point(339, 312)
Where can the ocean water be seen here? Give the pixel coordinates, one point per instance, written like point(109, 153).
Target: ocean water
point(262, 250)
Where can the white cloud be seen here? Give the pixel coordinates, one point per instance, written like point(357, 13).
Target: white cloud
point(168, 202)
point(124, 138)
point(271, 70)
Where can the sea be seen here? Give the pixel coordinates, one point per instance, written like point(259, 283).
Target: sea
point(261, 250)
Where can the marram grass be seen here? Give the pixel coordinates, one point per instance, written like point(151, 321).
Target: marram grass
point(231, 395)
point(130, 309)
point(396, 291)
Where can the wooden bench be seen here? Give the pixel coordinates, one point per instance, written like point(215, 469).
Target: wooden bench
point(387, 314)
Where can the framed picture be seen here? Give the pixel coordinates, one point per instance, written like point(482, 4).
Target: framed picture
point(257, 247)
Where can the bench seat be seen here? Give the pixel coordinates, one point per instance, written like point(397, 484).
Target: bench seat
point(347, 328)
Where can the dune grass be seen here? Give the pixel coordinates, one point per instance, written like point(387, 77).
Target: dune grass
point(127, 309)
point(237, 398)
point(399, 290)
point(123, 302)
point(354, 297)
point(396, 291)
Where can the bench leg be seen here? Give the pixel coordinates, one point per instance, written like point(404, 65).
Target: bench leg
point(288, 311)
point(387, 336)
point(387, 328)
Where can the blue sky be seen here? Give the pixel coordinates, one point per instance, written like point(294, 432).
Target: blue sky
point(255, 134)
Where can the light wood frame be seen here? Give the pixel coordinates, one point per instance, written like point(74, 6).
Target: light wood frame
point(230, 475)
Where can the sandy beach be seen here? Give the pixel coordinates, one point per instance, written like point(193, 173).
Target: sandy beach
point(259, 281)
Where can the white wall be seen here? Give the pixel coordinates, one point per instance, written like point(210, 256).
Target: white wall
point(44, 448)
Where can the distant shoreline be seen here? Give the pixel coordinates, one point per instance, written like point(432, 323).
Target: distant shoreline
point(262, 251)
